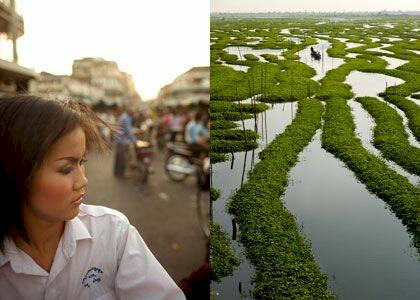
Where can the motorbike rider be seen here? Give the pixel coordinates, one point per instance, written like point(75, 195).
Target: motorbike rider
point(196, 135)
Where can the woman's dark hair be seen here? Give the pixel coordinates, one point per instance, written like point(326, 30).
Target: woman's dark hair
point(29, 126)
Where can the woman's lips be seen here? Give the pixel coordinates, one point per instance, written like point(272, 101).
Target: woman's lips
point(78, 200)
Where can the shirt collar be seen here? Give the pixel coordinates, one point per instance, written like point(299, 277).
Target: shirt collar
point(74, 230)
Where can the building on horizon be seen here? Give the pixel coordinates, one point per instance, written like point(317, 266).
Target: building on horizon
point(95, 81)
point(191, 87)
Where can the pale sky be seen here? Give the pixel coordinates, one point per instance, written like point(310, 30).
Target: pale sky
point(154, 41)
point(311, 5)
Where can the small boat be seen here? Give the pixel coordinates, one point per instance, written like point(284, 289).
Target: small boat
point(315, 54)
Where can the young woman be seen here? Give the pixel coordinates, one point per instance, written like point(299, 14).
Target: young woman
point(52, 246)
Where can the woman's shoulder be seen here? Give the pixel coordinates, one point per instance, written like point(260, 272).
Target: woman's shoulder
point(102, 217)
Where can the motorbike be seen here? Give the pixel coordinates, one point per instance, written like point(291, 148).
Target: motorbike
point(144, 155)
point(181, 161)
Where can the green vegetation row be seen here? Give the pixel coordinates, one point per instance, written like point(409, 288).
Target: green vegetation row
point(214, 194)
point(222, 124)
point(223, 106)
point(222, 259)
point(228, 146)
point(234, 134)
point(390, 136)
point(280, 81)
point(285, 266)
point(411, 110)
point(338, 138)
point(218, 157)
point(225, 138)
point(230, 116)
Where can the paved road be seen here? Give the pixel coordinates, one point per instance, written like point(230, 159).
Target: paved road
point(164, 212)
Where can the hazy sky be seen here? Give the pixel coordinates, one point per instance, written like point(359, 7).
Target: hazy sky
point(311, 5)
point(155, 41)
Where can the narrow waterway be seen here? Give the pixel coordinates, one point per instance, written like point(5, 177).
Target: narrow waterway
point(370, 84)
point(357, 241)
point(323, 65)
point(229, 176)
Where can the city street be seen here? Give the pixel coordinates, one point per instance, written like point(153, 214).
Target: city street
point(163, 211)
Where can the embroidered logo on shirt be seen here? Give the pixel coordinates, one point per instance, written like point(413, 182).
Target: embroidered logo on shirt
point(92, 277)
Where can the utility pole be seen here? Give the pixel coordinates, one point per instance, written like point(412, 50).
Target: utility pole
point(13, 29)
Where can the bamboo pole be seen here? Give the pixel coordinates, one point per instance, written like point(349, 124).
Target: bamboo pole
point(242, 116)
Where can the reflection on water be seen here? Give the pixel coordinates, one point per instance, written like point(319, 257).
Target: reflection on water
point(381, 50)
point(417, 101)
point(235, 67)
point(393, 62)
point(341, 39)
point(241, 51)
point(254, 40)
point(364, 131)
point(352, 55)
point(353, 45)
point(227, 179)
point(394, 39)
point(293, 39)
point(370, 84)
point(411, 138)
point(356, 240)
point(323, 65)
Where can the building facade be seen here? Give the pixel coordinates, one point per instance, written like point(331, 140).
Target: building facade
point(191, 87)
point(13, 77)
point(93, 81)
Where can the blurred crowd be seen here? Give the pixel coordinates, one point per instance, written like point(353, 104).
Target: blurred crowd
point(155, 129)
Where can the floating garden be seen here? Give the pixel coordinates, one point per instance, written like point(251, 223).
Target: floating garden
point(271, 101)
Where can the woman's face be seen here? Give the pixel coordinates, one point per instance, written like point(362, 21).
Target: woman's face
point(60, 180)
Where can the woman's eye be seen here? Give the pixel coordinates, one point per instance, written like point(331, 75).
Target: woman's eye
point(66, 171)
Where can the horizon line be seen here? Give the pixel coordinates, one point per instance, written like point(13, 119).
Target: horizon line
point(318, 12)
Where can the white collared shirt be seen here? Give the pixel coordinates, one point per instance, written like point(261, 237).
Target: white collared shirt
point(99, 256)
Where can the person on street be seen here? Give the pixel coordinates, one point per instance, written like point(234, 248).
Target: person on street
point(196, 135)
point(51, 244)
point(125, 144)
